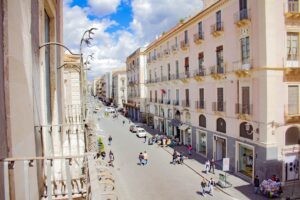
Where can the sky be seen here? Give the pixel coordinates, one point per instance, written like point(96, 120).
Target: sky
point(122, 27)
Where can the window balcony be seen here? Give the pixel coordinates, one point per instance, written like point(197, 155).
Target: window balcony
point(199, 38)
point(174, 48)
point(185, 103)
point(218, 106)
point(176, 102)
point(217, 29)
point(292, 74)
point(217, 71)
point(199, 74)
point(242, 17)
point(292, 10)
point(199, 105)
point(292, 113)
point(243, 110)
point(242, 68)
point(184, 45)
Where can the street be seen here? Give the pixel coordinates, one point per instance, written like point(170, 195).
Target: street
point(158, 179)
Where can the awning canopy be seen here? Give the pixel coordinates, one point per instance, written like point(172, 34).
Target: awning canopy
point(174, 122)
point(183, 127)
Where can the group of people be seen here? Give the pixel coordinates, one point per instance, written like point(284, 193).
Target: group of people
point(177, 157)
point(143, 158)
point(210, 166)
point(207, 187)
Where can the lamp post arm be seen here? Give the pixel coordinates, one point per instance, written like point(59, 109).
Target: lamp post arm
point(58, 44)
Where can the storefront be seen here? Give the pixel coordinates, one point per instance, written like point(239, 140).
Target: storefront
point(185, 134)
point(245, 155)
point(201, 142)
point(174, 128)
point(220, 148)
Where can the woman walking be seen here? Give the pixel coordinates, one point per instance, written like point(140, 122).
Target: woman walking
point(203, 185)
point(141, 158)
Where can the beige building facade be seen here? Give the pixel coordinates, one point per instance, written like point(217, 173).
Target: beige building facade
point(119, 87)
point(136, 90)
point(227, 81)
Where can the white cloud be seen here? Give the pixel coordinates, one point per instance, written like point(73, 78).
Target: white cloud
point(150, 18)
point(103, 7)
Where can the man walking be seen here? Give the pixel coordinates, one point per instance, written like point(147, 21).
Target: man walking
point(111, 159)
point(256, 185)
point(109, 140)
point(141, 158)
point(145, 158)
point(212, 166)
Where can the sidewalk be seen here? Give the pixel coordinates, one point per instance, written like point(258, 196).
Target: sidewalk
point(240, 189)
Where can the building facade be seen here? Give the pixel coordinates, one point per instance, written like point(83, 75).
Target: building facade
point(136, 90)
point(214, 81)
point(119, 87)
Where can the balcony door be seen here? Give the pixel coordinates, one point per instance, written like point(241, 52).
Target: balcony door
point(47, 68)
point(245, 100)
point(187, 97)
point(243, 9)
point(220, 99)
point(186, 66)
point(219, 21)
point(293, 99)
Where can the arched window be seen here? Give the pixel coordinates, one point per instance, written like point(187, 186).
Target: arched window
point(202, 121)
point(292, 136)
point(221, 125)
point(246, 130)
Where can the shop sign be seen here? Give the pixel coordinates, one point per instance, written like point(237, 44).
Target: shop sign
point(225, 164)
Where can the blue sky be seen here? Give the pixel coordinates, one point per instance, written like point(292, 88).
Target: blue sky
point(123, 26)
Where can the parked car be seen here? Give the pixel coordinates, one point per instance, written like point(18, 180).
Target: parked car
point(141, 132)
point(133, 128)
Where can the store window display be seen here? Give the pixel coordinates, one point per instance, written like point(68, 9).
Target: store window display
point(245, 160)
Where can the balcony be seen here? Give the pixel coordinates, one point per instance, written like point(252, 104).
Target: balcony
point(73, 113)
point(242, 68)
point(292, 10)
point(292, 113)
point(217, 29)
point(176, 102)
point(174, 48)
point(199, 38)
point(244, 111)
point(184, 76)
point(200, 105)
point(184, 45)
point(199, 74)
point(218, 106)
point(218, 71)
point(167, 101)
point(185, 103)
point(166, 52)
point(292, 74)
point(242, 18)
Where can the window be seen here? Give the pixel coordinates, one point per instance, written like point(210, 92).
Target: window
point(186, 66)
point(200, 64)
point(201, 98)
point(169, 94)
point(177, 95)
point(293, 6)
point(219, 21)
point(187, 97)
point(292, 46)
point(221, 125)
point(219, 54)
point(246, 130)
point(293, 99)
point(47, 67)
point(243, 10)
point(186, 37)
point(150, 96)
point(161, 72)
point(150, 76)
point(245, 100)
point(292, 136)
point(169, 71)
point(177, 69)
point(202, 121)
point(155, 96)
point(220, 103)
point(200, 29)
point(176, 42)
point(245, 49)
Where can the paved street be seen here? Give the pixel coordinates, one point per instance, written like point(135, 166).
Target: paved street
point(159, 179)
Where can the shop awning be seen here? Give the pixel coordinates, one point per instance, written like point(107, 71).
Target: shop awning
point(174, 122)
point(183, 127)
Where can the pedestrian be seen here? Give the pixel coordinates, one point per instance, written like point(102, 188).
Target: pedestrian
point(103, 155)
point(109, 140)
point(141, 158)
point(256, 184)
point(111, 158)
point(203, 185)
point(181, 158)
point(145, 158)
point(123, 122)
point(211, 185)
point(145, 139)
point(212, 166)
point(190, 149)
point(174, 156)
point(207, 166)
